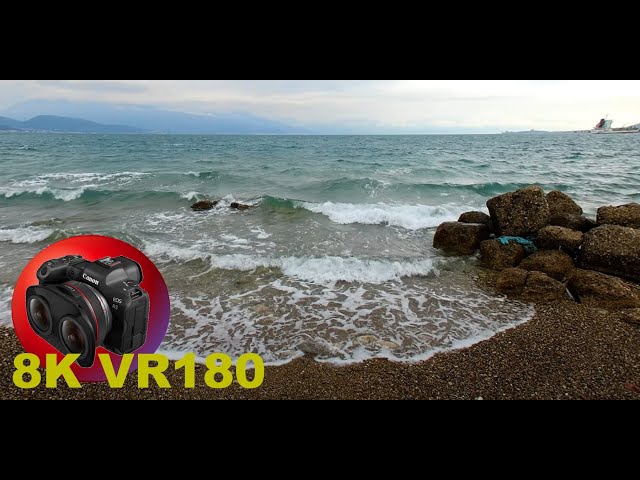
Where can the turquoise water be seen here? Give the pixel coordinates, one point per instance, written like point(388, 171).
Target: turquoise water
point(336, 254)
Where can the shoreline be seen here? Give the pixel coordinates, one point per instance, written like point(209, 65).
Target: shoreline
point(566, 351)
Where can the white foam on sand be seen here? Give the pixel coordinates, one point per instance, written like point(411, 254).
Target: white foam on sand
point(24, 234)
point(412, 217)
point(281, 320)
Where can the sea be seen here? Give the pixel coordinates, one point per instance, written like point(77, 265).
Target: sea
point(335, 257)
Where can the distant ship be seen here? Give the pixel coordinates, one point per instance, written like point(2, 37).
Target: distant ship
point(604, 126)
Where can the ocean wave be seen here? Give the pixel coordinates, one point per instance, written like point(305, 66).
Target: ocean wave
point(203, 175)
point(25, 234)
point(325, 269)
point(88, 177)
point(88, 194)
point(6, 295)
point(411, 217)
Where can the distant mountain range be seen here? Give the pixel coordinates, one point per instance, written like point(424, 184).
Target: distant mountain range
point(54, 123)
point(110, 118)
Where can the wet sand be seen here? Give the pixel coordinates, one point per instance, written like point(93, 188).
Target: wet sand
point(567, 351)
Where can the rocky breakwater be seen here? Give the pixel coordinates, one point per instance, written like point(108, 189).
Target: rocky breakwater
point(545, 249)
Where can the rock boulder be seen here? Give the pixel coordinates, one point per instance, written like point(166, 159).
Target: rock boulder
point(477, 217)
point(555, 263)
point(529, 285)
point(559, 238)
point(625, 215)
point(519, 213)
point(460, 238)
point(612, 249)
point(498, 256)
point(561, 203)
point(574, 222)
point(541, 286)
point(511, 281)
point(603, 291)
point(203, 205)
point(239, 206)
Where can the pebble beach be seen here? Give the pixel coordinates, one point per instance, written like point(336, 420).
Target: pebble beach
point(567, 351)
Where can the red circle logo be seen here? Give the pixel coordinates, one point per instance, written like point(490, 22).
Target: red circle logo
point(92, 248)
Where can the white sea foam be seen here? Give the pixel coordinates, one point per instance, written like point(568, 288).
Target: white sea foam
point(325, 269)
point(58, 193)
point(403, 322)
point(90, 177)
point(190, 196)
point(6, 294)
point(260, 233)
point(24, 234)
point(69, 186)
point(412, 217)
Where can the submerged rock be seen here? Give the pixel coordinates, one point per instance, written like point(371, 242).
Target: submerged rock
point(498, 256)
point(239, 206)
point(203, 205)
point(520, 213)
point(612, 249)
point(603, 291)
point(561, 203)
point(477, 217)
point(555, 263)
point(574, 222)
point(559, 238)
point(624, 215)
point(460, 238)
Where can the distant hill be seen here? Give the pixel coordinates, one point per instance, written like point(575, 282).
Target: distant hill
point(54, 123)
point(154, 119)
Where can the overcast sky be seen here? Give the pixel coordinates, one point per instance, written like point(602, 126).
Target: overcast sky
point(397, 105)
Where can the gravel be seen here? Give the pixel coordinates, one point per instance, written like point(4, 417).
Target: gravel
point(567, 351)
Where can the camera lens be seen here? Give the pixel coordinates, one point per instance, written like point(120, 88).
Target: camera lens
point(40, 314)
point(94, 307)
point(73, 336)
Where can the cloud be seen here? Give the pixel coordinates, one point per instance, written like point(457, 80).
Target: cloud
point(396, 105)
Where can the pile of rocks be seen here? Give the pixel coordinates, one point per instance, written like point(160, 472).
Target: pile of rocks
point(592, 262)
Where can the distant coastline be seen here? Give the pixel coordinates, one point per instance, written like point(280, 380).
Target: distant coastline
point(543, 132)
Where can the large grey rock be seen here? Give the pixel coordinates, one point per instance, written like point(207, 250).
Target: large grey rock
point(519, 213)
point(574, 222)
point(477, 217)
point(603, 291)
point(460, 238)
point(560, 203)
point(625, 215)
point(535, 286)
point(554, 263)
point(612, 249)
point(498, 256)
point(559, 238)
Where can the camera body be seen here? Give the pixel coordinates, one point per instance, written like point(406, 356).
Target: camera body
point(81, 305)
